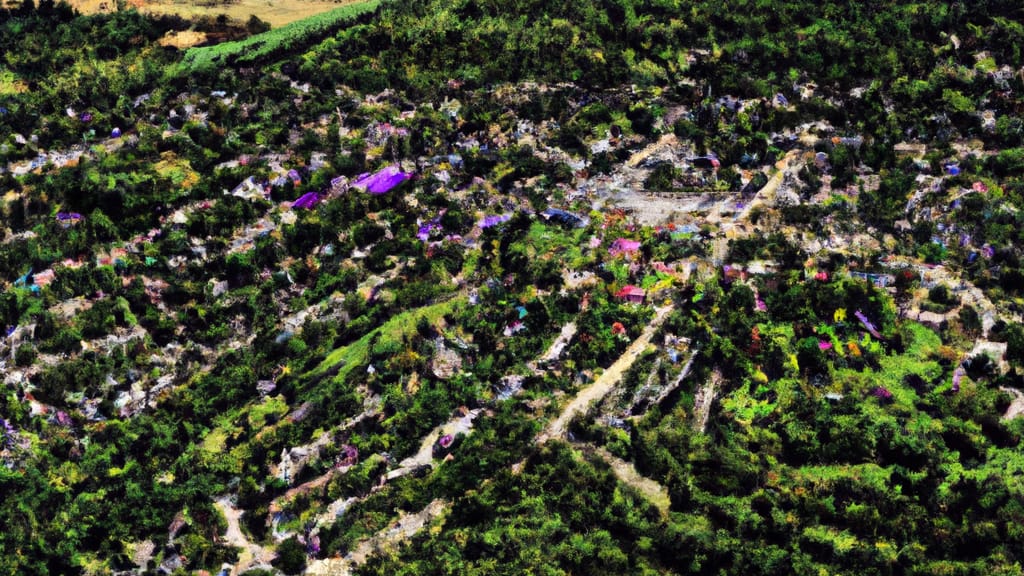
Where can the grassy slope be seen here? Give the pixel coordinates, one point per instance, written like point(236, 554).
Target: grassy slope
point(354, 354)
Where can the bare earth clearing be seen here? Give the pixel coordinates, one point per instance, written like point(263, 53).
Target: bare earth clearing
point(276, 12)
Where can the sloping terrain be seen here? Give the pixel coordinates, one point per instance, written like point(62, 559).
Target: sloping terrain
point(503, 288)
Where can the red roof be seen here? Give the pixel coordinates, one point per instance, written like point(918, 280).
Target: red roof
point(630, 290)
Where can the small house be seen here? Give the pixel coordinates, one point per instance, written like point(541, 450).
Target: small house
point(68, 219)
point(43, 278)
point(248, 189)
point(631, 293)
point(910, 150)
point(381, 181)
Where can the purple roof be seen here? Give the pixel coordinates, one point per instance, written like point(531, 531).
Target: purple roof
point(307, 200)
point(8, 432)
point(63, 419)
point(623, 245)
point(385, 184)
point(349, 455)
point(489, 221)
point(958, 375)
point(425, 230)
point(867, 324)
point(63, 216)
point(382, 181)
point(446, 440)
point(883, 393)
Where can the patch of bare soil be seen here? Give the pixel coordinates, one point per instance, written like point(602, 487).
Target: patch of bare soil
point(276, 12)
point(184, 39)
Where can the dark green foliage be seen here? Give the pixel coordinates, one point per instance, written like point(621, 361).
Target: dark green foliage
point(662, 178)
point(291, 556)
point(882, 207)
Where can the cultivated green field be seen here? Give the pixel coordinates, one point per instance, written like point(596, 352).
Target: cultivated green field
point(262, 46)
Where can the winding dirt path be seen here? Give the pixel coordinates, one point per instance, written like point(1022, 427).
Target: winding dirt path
point(702, 401)
point(677, 382)
point(1016, 407)
point(425, 455)
point(251, 554)
point(627, 473)
point(767, 192)
point(406, 526)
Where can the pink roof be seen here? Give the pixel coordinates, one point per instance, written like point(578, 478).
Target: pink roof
point(624, 245)
point(43, 278)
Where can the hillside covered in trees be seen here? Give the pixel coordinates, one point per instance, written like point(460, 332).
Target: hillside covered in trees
point(481, 287)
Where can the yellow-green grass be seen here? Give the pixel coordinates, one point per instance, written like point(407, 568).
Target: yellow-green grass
point(389, 334)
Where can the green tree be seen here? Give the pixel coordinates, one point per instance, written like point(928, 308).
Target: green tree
point(1014, 335)
point(256, 26)
point(291, 556)
point(882, 207)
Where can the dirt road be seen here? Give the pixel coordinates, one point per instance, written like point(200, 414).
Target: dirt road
point(767, 192)
point(652, 491)
point(606, 381)
point(1017, 406)
point(252, 554)
point(702, 401)
point(401, 530)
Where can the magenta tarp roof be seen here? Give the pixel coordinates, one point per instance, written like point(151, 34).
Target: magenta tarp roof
point(624, 245)
point(381, 181)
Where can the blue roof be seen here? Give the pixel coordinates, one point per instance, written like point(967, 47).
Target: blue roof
point(563, 217)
